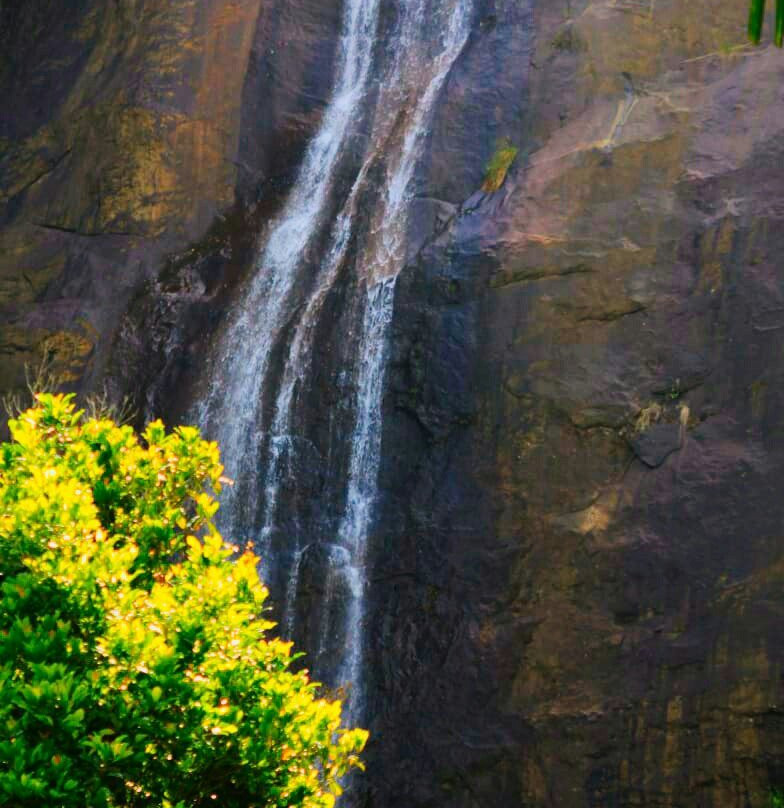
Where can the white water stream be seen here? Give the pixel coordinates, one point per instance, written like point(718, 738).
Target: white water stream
point(231, 411)
point(429, 36)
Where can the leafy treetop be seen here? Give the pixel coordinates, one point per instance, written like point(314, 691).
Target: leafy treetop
point(136, 668)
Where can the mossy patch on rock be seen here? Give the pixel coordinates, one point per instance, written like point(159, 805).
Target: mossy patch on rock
point(499, 165)
point(23, 350)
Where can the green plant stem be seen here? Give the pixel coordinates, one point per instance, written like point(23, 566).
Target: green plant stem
point(756, 15)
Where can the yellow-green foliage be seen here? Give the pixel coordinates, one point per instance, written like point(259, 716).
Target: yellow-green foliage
point(499, 165)
point(136, 668)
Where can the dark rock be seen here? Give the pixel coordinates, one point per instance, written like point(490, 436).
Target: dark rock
point(657, 443)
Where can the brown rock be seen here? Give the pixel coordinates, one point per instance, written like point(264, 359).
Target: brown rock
point(120, 130)
point(633, 260)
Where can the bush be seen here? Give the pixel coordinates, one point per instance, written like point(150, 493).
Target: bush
point(136, 668)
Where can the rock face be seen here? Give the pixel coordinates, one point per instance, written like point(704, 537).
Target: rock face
point(119, 134)
point(578, 563)
point(584, 604)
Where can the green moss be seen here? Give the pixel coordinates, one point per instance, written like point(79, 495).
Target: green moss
point(499, 165)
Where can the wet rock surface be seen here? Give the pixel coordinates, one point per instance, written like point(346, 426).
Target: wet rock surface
point(576, 584)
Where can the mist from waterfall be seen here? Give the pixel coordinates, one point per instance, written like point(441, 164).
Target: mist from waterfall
point(285, 299)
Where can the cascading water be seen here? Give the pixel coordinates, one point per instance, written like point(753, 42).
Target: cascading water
point(286, 296)
point(231, 412)
point(382, 266)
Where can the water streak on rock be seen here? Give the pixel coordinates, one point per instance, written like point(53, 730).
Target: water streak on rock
point(429, 36)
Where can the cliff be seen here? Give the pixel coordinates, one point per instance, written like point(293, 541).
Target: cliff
point(577, 569)
point(118, 143)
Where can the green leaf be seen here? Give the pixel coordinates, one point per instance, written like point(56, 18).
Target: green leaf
point(779, 37)
point(756, 15)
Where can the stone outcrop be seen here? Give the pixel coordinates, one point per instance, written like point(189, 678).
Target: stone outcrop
point(578, 564)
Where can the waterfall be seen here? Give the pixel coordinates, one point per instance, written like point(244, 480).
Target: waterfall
point(231, 411)
point(284, 295)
